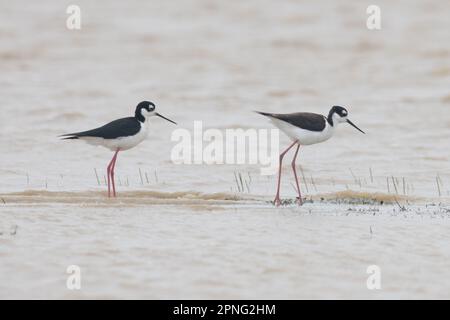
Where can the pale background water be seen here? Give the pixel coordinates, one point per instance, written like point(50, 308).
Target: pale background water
point(217, 62)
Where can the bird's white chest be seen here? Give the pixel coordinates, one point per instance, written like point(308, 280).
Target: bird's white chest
point(305, 137)
point(126, 143)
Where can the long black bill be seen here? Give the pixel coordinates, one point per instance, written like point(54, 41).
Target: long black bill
point(165, 118)
point(354, 126)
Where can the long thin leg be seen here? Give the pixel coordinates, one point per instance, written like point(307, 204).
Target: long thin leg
point(109, 177)
point(112, 173)
point(300, 202)
point(277, 200)
point(109, 170)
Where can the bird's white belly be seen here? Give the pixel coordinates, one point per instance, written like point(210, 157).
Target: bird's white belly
point(122, 144)
point(304, 137)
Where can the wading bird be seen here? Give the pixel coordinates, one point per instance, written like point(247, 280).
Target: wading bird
point(305, 129)
point(119, 135)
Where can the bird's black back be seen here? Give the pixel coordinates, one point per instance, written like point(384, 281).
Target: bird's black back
point(303, 120)
point(124, 127)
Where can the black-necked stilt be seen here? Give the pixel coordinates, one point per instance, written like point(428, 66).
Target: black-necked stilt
point(306, 129)
point(120, 135)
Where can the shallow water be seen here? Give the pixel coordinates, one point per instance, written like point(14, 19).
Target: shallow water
point(235, 251)
point(218, 68)
point(217, 62)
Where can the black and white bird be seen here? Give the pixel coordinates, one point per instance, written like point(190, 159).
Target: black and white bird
point(120, 135)
point(303, 129)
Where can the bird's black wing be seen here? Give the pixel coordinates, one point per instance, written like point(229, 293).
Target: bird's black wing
point(119, 128)
point(303, 120)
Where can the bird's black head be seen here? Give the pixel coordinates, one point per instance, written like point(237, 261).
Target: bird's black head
point(145, 110)
point(337, 112)
point(339, 115)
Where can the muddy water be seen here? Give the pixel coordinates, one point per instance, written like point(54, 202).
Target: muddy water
point(217, 62)
point(235, 250)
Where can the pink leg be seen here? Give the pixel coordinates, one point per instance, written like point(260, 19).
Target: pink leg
point(112, 173)
point(299, 199)
point(277, 200)
point(109, 182)
point(109, 178)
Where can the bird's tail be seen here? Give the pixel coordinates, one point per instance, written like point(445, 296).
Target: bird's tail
point(265, 113)
point(69, 136)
